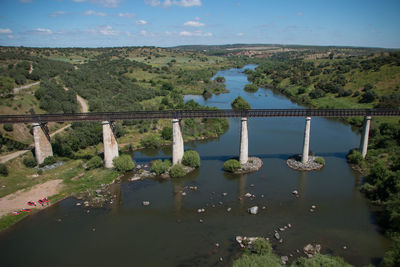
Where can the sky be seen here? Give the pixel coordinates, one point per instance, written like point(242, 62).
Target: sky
point(165, 23)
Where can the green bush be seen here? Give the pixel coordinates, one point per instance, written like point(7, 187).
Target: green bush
point(240, 104)
point(8, 127)
point(392, 256)
point(319, 160)
point(191, 158)
point(232, 165)
point(177, 171)
point(166, 133)
point(123, 163)
point(94, 162)
point(255, 260)
point(261, 246)
point(251, 88)
point(320, 260)
point(29, 162)
point(48, 161)
point(354, 157)
point(159, 166)
point(220, 79)
point(151, 141)
point(3, 170)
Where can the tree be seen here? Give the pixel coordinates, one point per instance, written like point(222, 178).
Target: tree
point(320, 260)
point(191, 158)
point(29, 162)
point(220, 79)
point(232, 165)
point(166, 133)
point(240, 104)
point(3, 170)
point(123, 163)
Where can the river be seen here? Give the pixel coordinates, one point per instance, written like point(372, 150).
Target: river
point(168, 232)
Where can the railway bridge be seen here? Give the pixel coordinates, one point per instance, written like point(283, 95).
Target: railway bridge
point(43, 147)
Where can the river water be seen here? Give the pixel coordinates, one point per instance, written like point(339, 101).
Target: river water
point(168, 232)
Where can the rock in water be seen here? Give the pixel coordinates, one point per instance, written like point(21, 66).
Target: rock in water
point(253, 210)
point(295, 192)
point(146, 203)
point(284, 259)
point(277, 236)
point(248, 195)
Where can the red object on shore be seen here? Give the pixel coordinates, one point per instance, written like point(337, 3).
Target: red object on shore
point(31, 203)
point(40, 202)
point(15, 213)
point(27, 210)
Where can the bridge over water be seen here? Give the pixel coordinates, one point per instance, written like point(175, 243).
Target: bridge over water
point(43, 147)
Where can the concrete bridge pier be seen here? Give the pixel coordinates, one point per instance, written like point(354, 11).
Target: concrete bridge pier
point(364, 136)
point(306, 143)
point(244, 142)
point(110, 144)
point(177, 142)
point(42, 143)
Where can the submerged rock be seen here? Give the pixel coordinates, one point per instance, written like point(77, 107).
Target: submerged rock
point(253, 210)
point(277, 236)
point(146, 203)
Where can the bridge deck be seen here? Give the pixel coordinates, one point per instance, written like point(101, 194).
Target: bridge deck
point(182, 114)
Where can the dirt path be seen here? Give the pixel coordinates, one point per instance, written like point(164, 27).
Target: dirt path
point(17, 89)
point(83, 103)
point(19, 199)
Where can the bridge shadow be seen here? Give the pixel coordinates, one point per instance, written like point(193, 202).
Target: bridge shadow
point(223, 158)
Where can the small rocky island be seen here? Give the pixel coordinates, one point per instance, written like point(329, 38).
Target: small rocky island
point(252, 165)
point(313, 163)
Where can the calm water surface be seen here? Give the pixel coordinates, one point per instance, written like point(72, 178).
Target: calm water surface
point(168, 232)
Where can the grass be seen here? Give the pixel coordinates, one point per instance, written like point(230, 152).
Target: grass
point(9, 220)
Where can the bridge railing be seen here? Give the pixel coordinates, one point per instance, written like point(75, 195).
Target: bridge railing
point(182, 114)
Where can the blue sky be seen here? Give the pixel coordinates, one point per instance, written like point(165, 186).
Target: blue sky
point(104, 23)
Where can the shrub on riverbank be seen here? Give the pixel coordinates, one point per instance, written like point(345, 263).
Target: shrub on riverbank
point(48, 161)
point(319, 160)
point(159, 167)
point(354, 157)
point(29, 162)
point(177, 171)
point(232, 165)
point(240, 104)
point(256, 260)
point(191, 158)
point(166, 133)
point(95, 162)
point(123, 163)
point(251, 88)
point(320, 260)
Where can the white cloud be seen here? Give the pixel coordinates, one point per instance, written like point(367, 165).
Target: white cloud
point(105, 3)
point(141, 22)
point(168, 3)
point(57, 13)
point(5, 31)
point(240, 34)
point(94, 13)
point(195, 33)
point(43, 31)
point(194, 23)
point(107, 30)
point(127, 15)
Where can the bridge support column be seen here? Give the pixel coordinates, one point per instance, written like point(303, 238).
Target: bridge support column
point(42, 143)
point(306, 143)
point(244, 142)
point(364, 136)
point(110, 144)
point(177, 142)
